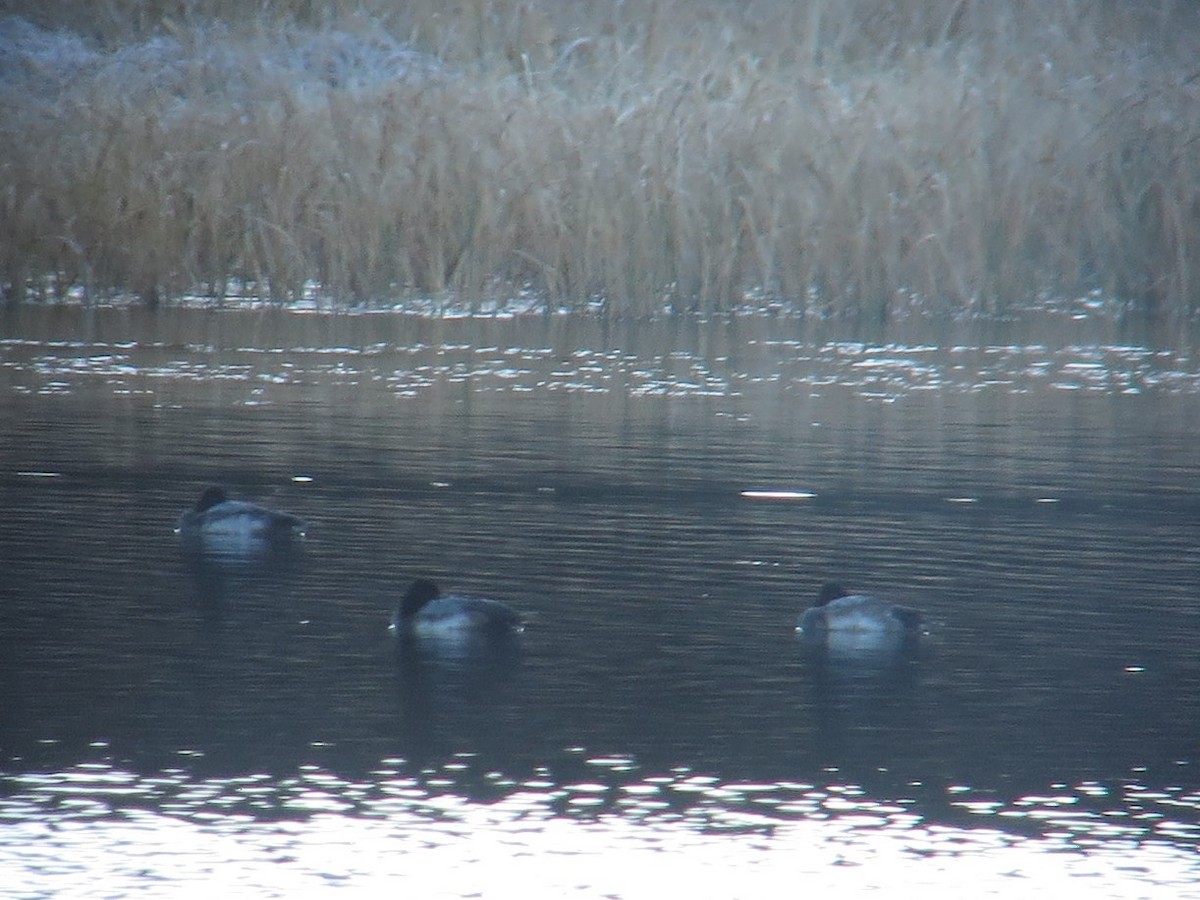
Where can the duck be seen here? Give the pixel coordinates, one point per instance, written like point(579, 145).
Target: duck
point(860, 620)
point(425, 611)
point(219, 524)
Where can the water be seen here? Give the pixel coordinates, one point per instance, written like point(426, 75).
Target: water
point(660, 502)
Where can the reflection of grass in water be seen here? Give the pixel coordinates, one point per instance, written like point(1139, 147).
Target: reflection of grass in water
point(851, 157)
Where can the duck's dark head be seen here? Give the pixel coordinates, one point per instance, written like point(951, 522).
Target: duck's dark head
point(831, 591)
point(421, 592)
point(211, 496)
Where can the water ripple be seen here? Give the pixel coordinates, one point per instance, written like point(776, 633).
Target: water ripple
point(259, 835)
point(757, 360)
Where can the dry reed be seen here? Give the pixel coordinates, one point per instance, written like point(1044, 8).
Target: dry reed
point(863, 157)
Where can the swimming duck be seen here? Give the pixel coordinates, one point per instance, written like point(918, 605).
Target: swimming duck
point(839, 617)
point(425, 612)
point(235, 527)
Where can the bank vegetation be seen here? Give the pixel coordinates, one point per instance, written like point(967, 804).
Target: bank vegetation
point(861, 157)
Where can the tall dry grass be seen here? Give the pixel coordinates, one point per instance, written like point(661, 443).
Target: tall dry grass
point(859, 157)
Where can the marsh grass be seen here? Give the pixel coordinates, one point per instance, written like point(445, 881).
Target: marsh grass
point(862, 157)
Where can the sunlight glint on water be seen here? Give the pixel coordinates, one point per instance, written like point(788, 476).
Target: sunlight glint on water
point(98, 825)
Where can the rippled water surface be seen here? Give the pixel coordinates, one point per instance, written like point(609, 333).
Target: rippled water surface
point(659, 501)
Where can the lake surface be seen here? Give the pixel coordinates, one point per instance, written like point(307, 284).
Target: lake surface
point(660, 501)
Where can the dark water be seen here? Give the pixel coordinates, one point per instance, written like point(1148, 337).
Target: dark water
point(660, 502)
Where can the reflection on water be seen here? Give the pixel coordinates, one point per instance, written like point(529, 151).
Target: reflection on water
point(608, 828)
point(659, 503)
